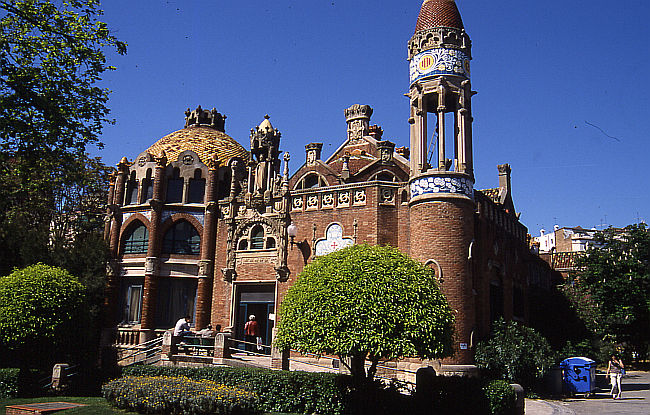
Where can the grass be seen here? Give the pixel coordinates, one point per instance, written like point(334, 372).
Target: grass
point(96, 405)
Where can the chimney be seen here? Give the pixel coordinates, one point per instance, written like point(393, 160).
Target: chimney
point(504, 177)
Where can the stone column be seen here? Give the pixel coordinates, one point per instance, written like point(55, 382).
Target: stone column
point(152, 264)
point(109, 211)
point(442, 162)
point(208, 241)
point(115, 226)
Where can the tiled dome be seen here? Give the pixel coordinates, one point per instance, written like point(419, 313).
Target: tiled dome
point(203, 140)
point(439, 13)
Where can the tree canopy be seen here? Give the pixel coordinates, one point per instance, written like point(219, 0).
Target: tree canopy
point(41, 313)
point(52, 57)
point(612, 286)
point(366, 302)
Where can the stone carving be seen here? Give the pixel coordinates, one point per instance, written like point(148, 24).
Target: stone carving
point(152, 266)
point(312, 202)
point(188, 160)
point(142, 161)
point(205, 268)
point(333, 241)
point(229, 274)
point(327, 201)
point(297, 203)
point(437, 38)
point(436, 184)
point(387, 196)
point(359, 197)
point(225, 210)
point(344, 199)
point(282, 273)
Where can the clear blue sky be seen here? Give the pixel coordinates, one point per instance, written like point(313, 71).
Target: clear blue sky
point(562, 87)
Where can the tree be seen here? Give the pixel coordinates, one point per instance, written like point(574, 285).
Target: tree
point(612, 286)
point(41, 314)
point(366, 302)
point(515, 353)
point(51, 110)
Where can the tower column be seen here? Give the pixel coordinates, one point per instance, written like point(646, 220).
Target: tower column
point(442, 204)
point(152, 262)
point(442, 160)
point(208, 241)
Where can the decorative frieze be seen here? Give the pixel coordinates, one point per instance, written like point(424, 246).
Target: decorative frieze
point(439, 61)
point(327, 202)
point(439, 184)
point(359, 197)
point(312, 202)
point(296, 204)
point(387, 196)
point(344, 199)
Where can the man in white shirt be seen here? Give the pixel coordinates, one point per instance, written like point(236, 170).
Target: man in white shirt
point(182, 327)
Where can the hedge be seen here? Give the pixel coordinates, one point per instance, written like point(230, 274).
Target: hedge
point(278, 391)
point(9, 383)
point(328, 393)
point(178, 395)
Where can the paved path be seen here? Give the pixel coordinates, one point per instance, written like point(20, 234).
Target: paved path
point(636, 401)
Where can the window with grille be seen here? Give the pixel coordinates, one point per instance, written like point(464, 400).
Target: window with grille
point(137, 240)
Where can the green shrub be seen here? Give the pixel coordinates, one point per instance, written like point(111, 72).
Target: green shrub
point(178, 395)
point(9, 383)
point(515, 353)
point(501, 397)
point(278, 391)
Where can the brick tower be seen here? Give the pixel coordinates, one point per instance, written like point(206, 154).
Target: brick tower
point(442, 188)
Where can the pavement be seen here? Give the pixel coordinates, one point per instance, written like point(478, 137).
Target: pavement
point(635, 401)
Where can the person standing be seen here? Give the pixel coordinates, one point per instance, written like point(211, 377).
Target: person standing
point(615, 370)
point(251, 332)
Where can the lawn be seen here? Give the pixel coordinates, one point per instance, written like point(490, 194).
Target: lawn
point(96, 405)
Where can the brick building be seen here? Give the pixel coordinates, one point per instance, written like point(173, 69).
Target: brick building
point(201, 225)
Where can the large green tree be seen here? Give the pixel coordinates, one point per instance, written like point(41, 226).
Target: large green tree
point(611, 289)
point(52, 57)
point(42, 317)
point(366, 302)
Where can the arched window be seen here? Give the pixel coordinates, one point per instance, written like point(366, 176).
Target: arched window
point(175, 187)
point(257, 238)
point(136, 239)
point(386, 176)
point(132, 190)
point(147, 187)
point(197, 188)
point(182, 238)
point(311, 181)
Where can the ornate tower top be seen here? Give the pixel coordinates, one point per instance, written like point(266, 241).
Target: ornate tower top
point(440, 45)
point(205, 118)
point(439, 13)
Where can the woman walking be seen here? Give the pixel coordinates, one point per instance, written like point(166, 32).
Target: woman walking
point(615, 370)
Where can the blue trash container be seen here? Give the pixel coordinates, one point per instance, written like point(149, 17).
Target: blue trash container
point(579, 376)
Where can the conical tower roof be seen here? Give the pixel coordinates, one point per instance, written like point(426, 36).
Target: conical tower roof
point(439, 13)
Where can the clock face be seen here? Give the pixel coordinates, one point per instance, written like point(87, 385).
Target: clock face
point(439, 61)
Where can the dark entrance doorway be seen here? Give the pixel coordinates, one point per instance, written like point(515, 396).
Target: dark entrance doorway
point(257, 300)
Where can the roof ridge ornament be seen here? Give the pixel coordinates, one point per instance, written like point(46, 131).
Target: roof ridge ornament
point(205, 118)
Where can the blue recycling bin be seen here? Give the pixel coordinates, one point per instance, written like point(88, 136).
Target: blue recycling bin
point(579, 375)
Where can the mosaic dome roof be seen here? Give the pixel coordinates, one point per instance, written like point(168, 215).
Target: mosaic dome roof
point(203, 140)
point(439, 13)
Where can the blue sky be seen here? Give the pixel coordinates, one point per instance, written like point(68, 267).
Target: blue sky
point(562, 87)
